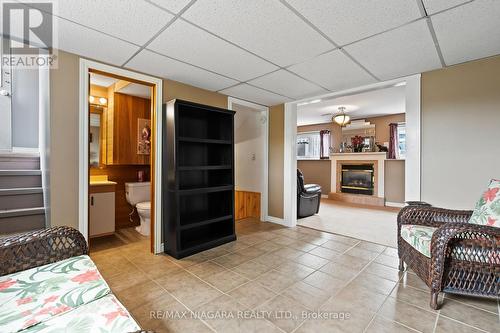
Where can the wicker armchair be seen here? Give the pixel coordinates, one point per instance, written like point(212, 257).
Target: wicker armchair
point(41, 247)
point(465, 258)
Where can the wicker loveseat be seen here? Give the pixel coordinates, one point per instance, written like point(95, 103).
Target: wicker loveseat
point(48, 283)
point(462, 258)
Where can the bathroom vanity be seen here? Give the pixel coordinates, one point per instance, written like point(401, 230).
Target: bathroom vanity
point(101, 207)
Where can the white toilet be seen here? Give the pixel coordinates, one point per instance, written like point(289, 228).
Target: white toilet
point(139, 196)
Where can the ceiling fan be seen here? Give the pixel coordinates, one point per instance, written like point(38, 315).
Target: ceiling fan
point(340, 117)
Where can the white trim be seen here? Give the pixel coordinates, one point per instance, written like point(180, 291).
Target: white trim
point(83, 173)
point(290, 166)
point(413, 143)
point(276, 220)
point(26, 150)
point(394, 204)
point(265, 180)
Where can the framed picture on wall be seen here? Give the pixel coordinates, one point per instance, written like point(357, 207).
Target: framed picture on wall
point(143, 136)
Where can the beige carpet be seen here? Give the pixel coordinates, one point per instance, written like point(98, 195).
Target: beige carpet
point(378, 225)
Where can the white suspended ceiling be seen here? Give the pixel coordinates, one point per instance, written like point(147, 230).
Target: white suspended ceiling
point(273, 51)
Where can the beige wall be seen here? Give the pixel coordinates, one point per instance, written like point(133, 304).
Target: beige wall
point(460, 132)
point(276, 159)
point(317, 172)
point(382, 125)
point(394, 181)
point(64, 95)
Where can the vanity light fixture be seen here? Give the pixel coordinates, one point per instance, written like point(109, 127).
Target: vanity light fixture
point(91, 99)
point(103, 100)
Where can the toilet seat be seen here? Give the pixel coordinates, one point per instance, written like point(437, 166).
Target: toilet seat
point(144, 205)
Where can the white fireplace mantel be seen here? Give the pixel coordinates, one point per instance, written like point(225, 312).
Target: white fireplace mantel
point(378, 157)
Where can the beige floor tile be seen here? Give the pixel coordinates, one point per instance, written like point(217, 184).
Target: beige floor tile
point(338, 271)
point(270, 260)
point(309, 296)
point(251, 269)
point(226, 280)
point(408, 315)
point(346, 240)
point(234, 246)
point(487, 304)
point(315, 240)
point(417, 297)
point(311, 261)
point(382, 325)
point(388, 260)
point(126, 280)
point(371, 247)
point(302, 246)
point(445, 325)
point(361, 253)
point(391, 251)
point(206, 269)
point(294, 270)
point(275, 281)
point(151, 314)
point(268, 246)
point(325, 253)
point(352, 298)
point(325, 282)
point(285, 313)
point(231, 260)
point(337, 246)
point(251, 252)
point(374, 283)
point(251, 294)
point(350, 261)
point(340, 322)
point(289, 232)
point(414, 281)
point(470, 315)
point(383, 271)
point(283, 241)
point(140, 294)
point(157, 270)
point(288, 253)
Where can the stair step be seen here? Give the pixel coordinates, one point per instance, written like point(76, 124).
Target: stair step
point(17, 198)
point(16, 163)
point(11, 179)
point(21, 212)
point(21, 223)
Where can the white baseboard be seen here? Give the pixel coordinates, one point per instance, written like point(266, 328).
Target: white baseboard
point(324, 196)
point(276, 220)
point(394, 204)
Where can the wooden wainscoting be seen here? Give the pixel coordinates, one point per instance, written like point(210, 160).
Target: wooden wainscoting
point(246, 204)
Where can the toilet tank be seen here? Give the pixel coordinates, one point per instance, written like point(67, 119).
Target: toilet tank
point(138, 192)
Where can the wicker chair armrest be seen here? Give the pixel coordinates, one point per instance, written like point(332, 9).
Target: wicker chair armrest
point(432, 216)
point(37, 248)
point(481, 240)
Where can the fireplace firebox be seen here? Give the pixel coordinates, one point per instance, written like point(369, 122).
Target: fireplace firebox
point(357, 179)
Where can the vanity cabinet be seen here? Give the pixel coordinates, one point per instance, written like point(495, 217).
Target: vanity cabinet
point(101, 210)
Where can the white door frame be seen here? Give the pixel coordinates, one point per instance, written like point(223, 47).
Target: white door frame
point(413, 142)
point(83, 154)
point(264, 180)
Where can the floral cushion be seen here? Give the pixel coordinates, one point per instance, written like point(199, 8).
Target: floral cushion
point(487, 211)
point(30, 297)
point(419, 237)
point(103, 315)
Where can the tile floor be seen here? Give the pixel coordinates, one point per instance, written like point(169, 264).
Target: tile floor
point(275, 279)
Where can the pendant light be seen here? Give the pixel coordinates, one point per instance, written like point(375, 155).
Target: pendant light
point(342, 119)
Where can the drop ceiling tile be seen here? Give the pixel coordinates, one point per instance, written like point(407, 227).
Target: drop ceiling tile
point(132, 20)
point(346, 21)
point(288, 84)
point(184, 41)
point(264, 27)
point(254, 94)
point(434, 6)
point(154, 64)
point(333, 70)
point(172, 5)
point(469, 32)
point(88, 43)
point(400, 52)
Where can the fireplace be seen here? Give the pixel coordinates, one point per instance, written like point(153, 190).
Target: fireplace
point(357, 179)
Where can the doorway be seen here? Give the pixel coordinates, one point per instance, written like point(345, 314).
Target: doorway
point(251, 160)
point(127, 153)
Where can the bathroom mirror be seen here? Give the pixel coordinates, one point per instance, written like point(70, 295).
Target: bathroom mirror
point(96, 136)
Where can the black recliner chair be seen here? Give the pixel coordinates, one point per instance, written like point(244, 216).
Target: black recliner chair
point(308, 197)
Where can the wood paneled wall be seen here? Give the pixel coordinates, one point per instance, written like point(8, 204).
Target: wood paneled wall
point(122, 174)
point(246, 204)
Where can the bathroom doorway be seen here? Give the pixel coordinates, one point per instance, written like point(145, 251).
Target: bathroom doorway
point(119, 169)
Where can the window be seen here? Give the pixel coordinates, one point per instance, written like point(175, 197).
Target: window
point(308, 145)
point(401, 135)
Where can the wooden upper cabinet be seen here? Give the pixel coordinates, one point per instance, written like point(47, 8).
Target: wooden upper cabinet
point(124, 112)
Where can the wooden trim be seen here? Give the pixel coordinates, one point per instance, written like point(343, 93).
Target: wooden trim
point(102, 188)
point(152, 160)
point(247, 204)
point(119, 77)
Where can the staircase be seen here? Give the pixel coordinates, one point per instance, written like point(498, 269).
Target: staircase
point(21, 195)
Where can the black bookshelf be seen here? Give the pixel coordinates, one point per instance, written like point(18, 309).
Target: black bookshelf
point(198, 177)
